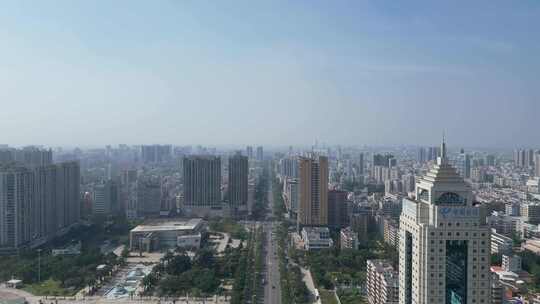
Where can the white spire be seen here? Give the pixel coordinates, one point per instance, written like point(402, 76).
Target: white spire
point(443, 158)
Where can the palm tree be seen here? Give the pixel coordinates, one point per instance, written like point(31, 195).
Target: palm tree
point(167, 257)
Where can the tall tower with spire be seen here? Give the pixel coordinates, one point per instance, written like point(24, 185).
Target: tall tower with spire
point(442, 158)
point(444, 242)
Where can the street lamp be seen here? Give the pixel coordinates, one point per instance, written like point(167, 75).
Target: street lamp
point(39, 265)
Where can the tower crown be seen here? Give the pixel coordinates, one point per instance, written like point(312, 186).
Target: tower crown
point(443, 160)
point(442, 185)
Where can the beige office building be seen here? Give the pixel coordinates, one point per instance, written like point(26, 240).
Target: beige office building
point(444, 246)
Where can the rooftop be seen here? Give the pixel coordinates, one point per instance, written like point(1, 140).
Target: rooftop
point(315, 233)
point(190, 224)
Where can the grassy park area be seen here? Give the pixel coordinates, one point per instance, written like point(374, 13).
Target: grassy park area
point(65, 275)
point(49, 287)
point(327, 297)
point(227, 225)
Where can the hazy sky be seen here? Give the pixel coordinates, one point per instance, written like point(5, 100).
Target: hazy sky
point(270, 72)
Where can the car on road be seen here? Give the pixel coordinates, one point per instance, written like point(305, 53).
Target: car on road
point(273, 286)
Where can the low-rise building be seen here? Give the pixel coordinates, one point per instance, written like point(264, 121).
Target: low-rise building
point(166, 235)
point(391, 231)
point(73, 249)
point(497, 290)
point(505, 225)
point(315, 238)
point(531, 231)
point(512, 282)
point(531, 212)
point(500, 244)
point(513, 209)
point(532, 245)
point(511, 263)
point(533, 185)
point(348, 238)
point(382, 282)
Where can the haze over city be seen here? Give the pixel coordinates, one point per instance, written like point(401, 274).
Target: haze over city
point(269, 152)
point(269, 72)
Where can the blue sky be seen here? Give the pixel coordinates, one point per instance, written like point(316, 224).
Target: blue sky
point(270, 72)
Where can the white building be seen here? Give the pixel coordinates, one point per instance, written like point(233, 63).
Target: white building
point(189, 241)
point(500, 244)
point(153, 237)
point(315, 238)
point(532, 245)
point(382, 282)
point(531, 212)
point(444, 244)
point(511, 263)
point(505, 225)
point(291, 195)
point(348, 238)
point(104, 198)
point(533, 185)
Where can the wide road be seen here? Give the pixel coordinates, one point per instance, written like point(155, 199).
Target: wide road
point(272, 289)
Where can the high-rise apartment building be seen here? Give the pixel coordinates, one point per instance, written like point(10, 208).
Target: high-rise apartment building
point(288, 167)
point(33, 157)
point(432, 153)
point(382, 282)
point(260, 153)
point(37, 203)
point(313, 175)
point(382, 160)
point(27, 157)
point(337, 208)
point(529, 159)
point(384, 166)
point(131, 198)
point(361, 164)
point(537, 164)
point(408, 183)
point(202, 181)
point(156, 153)
point(464, 165)
point(105, 198)
point(291, 196)
point(421, 156)
point(490, 160)
point(444, 247)
point(68, 193)
point(128, 176)
point(149, 196)
point(524, 158)
point(249, 152)
point(168, 195)
point(16, 204)
point(238, 181)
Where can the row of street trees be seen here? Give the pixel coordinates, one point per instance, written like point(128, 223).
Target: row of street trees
point(178, 275)
point(261, 195)
point(293, 288)
point(69, 272)
point(247, 283)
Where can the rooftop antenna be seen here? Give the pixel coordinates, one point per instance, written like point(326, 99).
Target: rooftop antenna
point(442, 159)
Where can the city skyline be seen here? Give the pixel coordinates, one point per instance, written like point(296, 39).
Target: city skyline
point(269, 152)
point(345, 73)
